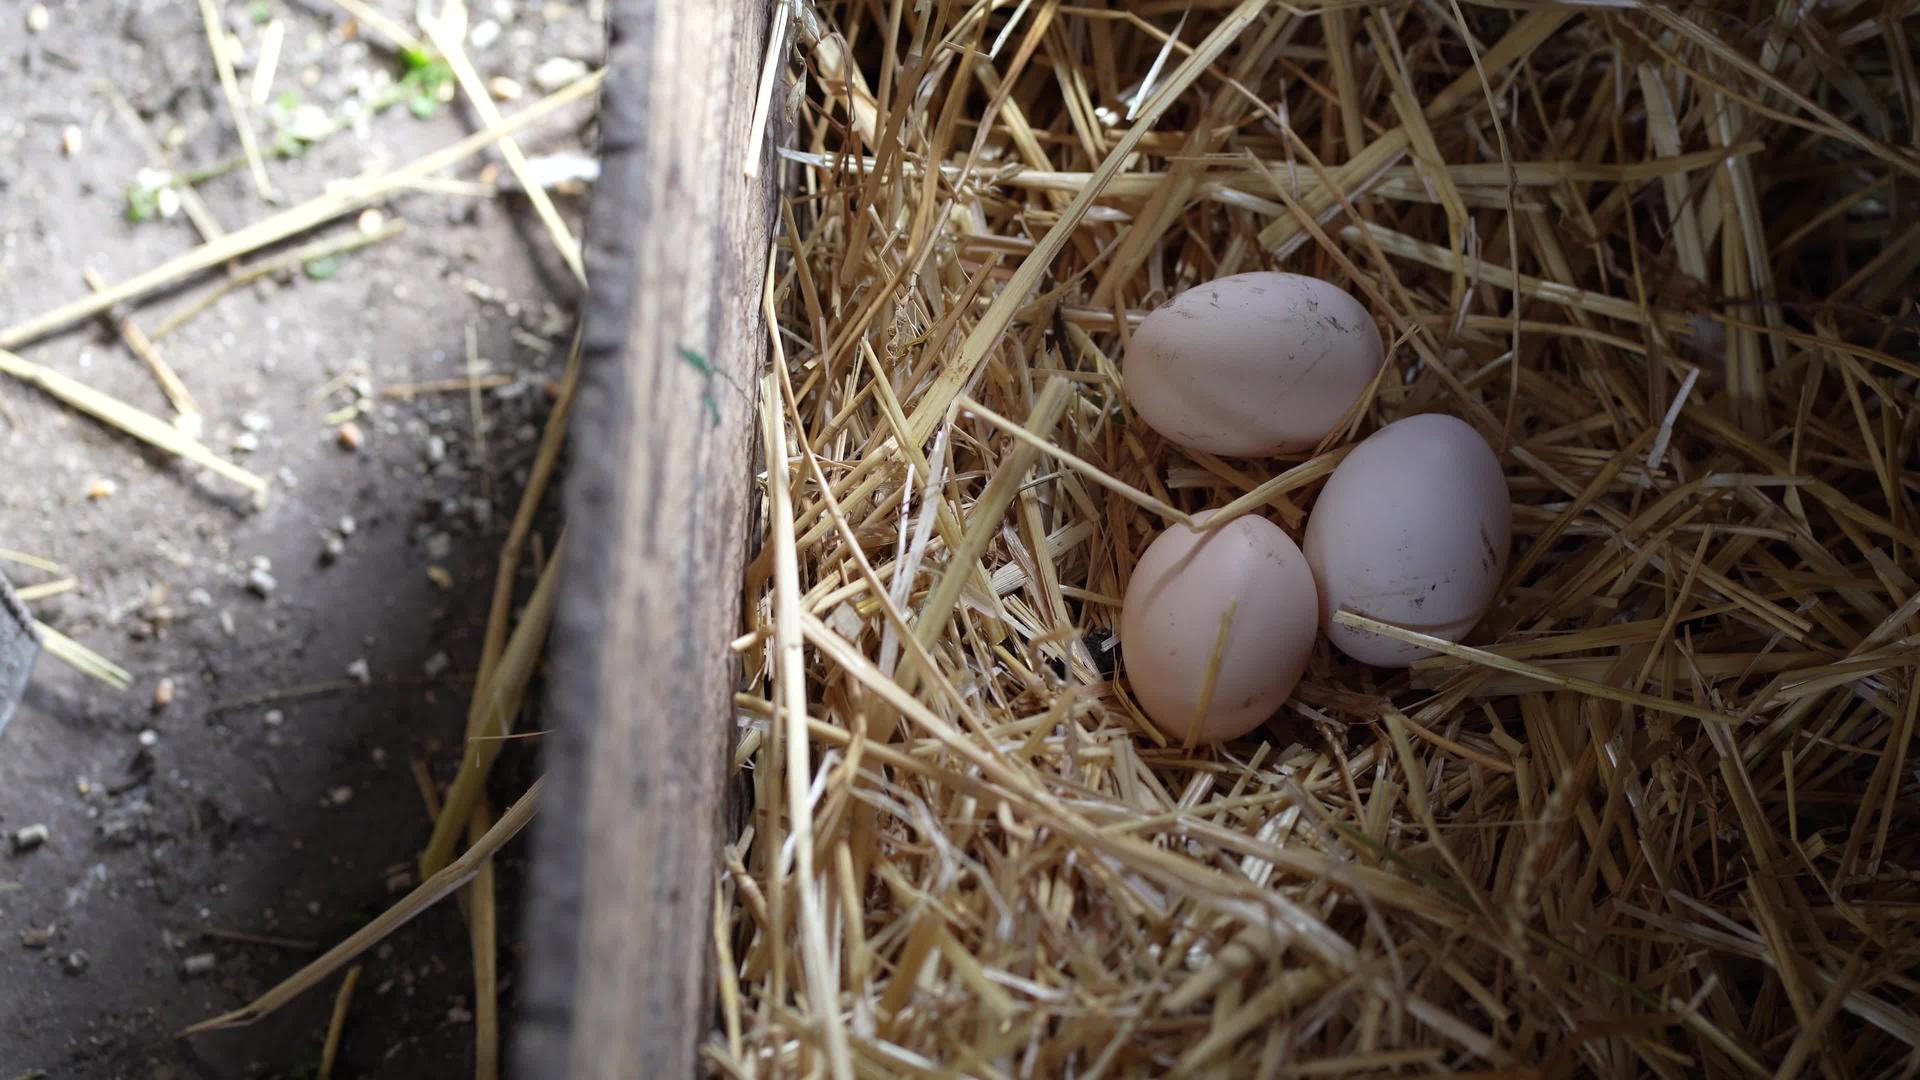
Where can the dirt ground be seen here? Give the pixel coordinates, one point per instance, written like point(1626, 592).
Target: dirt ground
point(203, 850)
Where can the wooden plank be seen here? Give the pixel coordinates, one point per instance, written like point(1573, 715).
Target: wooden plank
point(619, 922)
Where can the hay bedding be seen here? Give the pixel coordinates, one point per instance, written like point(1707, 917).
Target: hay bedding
point(1657, 816)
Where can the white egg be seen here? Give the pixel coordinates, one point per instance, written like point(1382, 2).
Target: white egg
point(1412, 529)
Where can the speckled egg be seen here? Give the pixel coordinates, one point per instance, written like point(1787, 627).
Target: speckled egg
point(1412, 529)
point(1252, 364)
point(1170, 620)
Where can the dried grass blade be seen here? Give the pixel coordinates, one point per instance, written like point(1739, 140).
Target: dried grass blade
point(337, 1023)
point(429, 892)
point(82, 659)
point(1516, 667)
point(790, 678)
point(343, 198)
point(446, 34)
point(498, 702)
point(115, 413)
point(236, 103)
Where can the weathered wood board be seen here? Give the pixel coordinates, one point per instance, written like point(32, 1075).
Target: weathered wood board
point(620, 929)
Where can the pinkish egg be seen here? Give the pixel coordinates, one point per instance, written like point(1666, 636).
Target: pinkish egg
point(1252, 364)
point(1180, 594)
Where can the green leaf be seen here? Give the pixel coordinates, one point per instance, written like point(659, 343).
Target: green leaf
point(322, 268)
point(421, 87)
point(260, 11)
point(141, 204)
point(699, 362)
point(415, 59)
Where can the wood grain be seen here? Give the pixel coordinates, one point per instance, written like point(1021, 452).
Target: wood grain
point(619, 923)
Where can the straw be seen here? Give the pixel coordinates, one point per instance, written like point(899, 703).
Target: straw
point(341, 199)
point(118, 414)
point(1651, 816)
point(337, 1022)
point(429, 892)
point(236, 102)
point(447, 33)
point(170, 383)
point(82, 659)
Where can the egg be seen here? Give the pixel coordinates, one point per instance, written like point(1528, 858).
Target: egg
point(1411, 529)
point(1181, 591)
point(1252, 364)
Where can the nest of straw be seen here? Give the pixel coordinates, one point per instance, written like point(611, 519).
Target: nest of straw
point(1656, 816)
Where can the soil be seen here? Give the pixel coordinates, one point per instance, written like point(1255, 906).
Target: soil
point(201, 851)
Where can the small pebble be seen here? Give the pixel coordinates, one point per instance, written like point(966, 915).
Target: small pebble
point(38, 19)
point(350, 436)
point(484, 33)
point(504, 89)
point(71, 140)
point(149, 737)
point(30, 837)
point(331, 549)
point(436, 449)
point(163, 692)
point(359, 672)
point(197, 964)
point(261, 581)
point(101, 488)
point(246, 442)
point(557, 72)
point(255, 421)
point(435, 664)
point(370, 220)
point(274, 718)
point(440, 576)
point(36, 937)
point(310, 123)
point(348, 526)
point(76, 962)
point(439, 546)
point(227, 626)
point(341, 795)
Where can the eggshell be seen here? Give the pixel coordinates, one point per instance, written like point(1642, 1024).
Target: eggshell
point(1411, 529)
point(1252, 364)
point(1170, 620)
